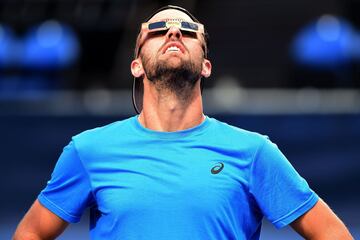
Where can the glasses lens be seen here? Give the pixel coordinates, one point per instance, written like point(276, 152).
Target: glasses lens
point(189, 25)
point(157, 25)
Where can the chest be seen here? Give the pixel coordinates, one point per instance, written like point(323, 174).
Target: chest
point(171, 178)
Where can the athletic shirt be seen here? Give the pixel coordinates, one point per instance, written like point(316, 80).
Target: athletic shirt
point(212, 181)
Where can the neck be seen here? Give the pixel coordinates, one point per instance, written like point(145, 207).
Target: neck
point(164, 111)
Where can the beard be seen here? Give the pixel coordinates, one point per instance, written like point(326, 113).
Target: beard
point(179, 80)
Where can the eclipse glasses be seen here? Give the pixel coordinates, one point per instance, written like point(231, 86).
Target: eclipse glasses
point(168, 23)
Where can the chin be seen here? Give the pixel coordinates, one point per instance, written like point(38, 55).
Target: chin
point(173, 63)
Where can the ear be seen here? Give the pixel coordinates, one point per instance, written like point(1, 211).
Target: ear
point(206, 68)
point(137, 68)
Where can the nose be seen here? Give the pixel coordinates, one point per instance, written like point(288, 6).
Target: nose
point(174, 33)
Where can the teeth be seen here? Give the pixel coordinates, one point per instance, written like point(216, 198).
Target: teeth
point(172, 48)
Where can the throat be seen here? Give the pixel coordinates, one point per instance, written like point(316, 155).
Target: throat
point(166, 110)
point(170, 122)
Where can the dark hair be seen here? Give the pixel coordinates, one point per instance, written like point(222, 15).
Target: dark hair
point(206, 35)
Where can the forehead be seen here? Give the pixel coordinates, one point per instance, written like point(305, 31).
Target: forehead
point(170, 13)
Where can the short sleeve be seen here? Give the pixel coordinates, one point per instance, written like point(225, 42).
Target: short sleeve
point(68, 192)
point(280, 192)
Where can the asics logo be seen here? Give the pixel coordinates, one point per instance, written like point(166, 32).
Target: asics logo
point(217, 168)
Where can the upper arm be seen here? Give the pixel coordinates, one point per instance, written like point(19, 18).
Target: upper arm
point(320, 222)
point(39, 223)
point(278, 189)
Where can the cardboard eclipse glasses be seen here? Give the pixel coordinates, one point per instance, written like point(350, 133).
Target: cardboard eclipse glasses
point(166, 24)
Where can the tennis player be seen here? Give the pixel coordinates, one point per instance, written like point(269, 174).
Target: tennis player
point(172, 172)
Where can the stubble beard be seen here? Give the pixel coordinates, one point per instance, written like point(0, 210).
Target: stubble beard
point(179, 79)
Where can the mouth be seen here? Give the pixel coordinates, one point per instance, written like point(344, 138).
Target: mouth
point(173, 47)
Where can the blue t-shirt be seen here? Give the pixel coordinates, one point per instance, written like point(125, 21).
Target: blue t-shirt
point(213, 181)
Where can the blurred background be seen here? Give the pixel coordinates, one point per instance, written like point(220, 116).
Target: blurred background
point(287, 69)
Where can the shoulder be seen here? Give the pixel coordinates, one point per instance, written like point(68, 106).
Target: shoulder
point(228, 135)
point(100, 135)
point(224, 129)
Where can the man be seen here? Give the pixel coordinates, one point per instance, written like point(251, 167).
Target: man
point(171, 172)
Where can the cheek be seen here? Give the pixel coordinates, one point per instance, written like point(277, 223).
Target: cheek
point(152, 45)
point(150, 52)
point(195, 48)
point(197, 53)
point(147, 56)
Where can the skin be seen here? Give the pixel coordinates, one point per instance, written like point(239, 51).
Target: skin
point(39, 224)
point(321, 223)
point(165, 110)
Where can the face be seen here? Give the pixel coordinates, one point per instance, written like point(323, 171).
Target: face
point(172, 58)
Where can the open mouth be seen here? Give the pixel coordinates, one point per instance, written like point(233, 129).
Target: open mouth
point(173, 48)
